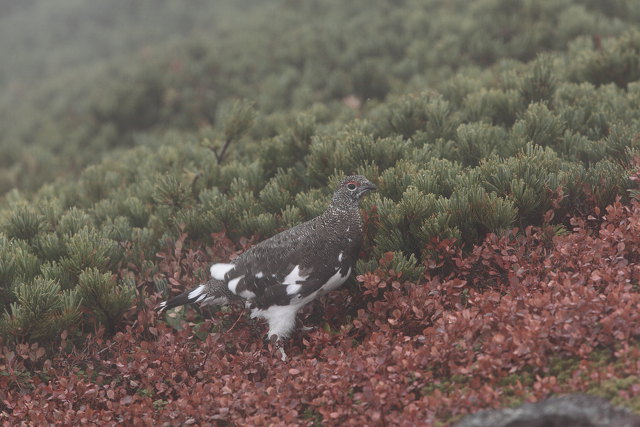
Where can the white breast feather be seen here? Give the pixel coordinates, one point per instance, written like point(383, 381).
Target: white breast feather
point(334, 282)
point(233, 284)
point(219, 270)
point(294, 277)
point(293, 289)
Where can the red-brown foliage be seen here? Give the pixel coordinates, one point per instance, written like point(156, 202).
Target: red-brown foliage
point(479, 330)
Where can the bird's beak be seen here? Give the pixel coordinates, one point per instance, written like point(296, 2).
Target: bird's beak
point(368, 186)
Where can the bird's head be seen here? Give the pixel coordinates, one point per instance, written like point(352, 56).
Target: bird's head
point(351, 189)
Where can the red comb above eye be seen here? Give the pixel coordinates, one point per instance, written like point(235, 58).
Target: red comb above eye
point(354, 183)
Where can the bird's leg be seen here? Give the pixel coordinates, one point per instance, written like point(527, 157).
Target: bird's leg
point(283, 355)
point(304, 328)
point(278, 344)
point(282, 320)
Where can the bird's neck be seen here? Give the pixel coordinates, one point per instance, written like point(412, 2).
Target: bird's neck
point(346, 213)
point(343, 206)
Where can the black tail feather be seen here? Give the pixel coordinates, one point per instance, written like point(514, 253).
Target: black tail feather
point(176, 301)
point(194, 295)
point(212, 292)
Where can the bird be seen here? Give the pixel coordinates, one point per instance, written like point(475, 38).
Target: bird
point(280, 275)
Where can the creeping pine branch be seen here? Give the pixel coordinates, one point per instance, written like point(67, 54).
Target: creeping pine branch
point(238, 121)
point(219, 153)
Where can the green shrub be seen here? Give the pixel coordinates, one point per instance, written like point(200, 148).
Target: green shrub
point(106, 299)
point(41, 311)
point(471, 119)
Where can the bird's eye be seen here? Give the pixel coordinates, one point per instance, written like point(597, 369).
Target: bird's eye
point(351, 186)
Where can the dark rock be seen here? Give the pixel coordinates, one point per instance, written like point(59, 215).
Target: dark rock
point(574, 410)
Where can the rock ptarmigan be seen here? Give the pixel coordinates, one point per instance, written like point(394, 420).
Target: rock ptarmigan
point(280, 275)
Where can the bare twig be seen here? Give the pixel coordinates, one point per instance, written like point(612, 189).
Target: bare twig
point(235, 323)
point(220, 153)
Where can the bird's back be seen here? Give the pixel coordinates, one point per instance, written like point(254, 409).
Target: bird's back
point(299, 261)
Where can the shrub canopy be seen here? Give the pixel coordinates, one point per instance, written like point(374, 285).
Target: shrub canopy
point(472, 119)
